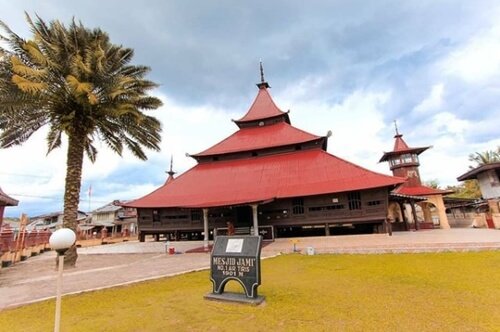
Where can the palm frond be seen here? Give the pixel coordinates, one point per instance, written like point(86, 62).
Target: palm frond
point(91, 151)
point(53, 138)
point(27, 85)
point(18, 133)
point(34, 51)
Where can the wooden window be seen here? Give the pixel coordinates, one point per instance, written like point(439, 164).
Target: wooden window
point(326, 208)
point(298, 206)
point(354, 199)
point(195, 215)
point(156, 216)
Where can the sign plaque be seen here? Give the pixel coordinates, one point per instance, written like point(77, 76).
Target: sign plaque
point(236, 258)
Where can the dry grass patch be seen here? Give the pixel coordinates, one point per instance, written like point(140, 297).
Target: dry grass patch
point(405, 292)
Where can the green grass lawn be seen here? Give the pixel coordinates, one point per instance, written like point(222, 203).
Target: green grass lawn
point(398, 292)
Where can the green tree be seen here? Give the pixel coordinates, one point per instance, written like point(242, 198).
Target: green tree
point(75, 81)
point(466, 189)
point(432, 184)
point(486, 157)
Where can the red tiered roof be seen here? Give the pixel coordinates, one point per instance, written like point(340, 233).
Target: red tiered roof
point(258, 179)
point(253, 138)
point(263, 107)
point(261, 179)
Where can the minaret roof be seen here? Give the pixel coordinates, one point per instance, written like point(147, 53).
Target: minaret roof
point(400, 144)
point(400, 147)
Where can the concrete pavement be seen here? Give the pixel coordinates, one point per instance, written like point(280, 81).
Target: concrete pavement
point(129, 262)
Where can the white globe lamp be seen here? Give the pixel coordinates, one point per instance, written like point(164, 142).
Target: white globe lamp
point(62, 239)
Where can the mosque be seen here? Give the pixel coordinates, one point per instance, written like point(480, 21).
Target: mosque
point(273, 179)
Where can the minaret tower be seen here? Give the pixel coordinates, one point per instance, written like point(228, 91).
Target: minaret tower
point(403, 160)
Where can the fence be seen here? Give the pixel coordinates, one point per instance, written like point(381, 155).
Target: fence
point(19, 246)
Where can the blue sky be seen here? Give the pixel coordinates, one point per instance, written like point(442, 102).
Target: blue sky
point(351, 67)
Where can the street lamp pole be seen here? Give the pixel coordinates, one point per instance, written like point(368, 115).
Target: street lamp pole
point(57, 320)
point(61, 240)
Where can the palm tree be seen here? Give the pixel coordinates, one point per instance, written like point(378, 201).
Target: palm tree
point(486, 157)
point(83, 87)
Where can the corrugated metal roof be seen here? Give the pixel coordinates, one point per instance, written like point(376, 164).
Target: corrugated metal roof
point(421, 191)
point(254, 138)
point(258, 179)
point(393, 195)
point(263, 107)
point(107, 208)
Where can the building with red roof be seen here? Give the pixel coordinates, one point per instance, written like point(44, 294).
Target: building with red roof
point(267, 178)
point(413, 201)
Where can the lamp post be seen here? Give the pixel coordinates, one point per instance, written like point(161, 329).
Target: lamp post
point(61, 240)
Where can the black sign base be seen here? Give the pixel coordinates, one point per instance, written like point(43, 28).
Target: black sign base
point(235, 298)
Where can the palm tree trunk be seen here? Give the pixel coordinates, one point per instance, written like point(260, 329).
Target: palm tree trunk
point(74, 165)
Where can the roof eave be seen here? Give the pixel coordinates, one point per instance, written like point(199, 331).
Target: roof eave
point(283, 114)
point(472, 174)
point(322, 139)
point(417, 151)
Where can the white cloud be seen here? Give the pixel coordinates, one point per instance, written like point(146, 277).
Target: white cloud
point(28, 170)
point(433, 102)
point(357, 124)
point(449, 124)
point(479, 59)
point(190, 129)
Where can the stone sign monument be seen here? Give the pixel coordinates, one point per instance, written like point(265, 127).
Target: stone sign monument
point(236, 258)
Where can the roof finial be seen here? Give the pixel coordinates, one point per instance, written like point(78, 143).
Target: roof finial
point(396, 126)
point(261, 73)
point(263, 84)
point(171, 172)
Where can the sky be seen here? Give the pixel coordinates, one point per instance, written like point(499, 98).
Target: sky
point(352, 67)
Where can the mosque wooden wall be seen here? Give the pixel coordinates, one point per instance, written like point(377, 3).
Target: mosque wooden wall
point(366, 206)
